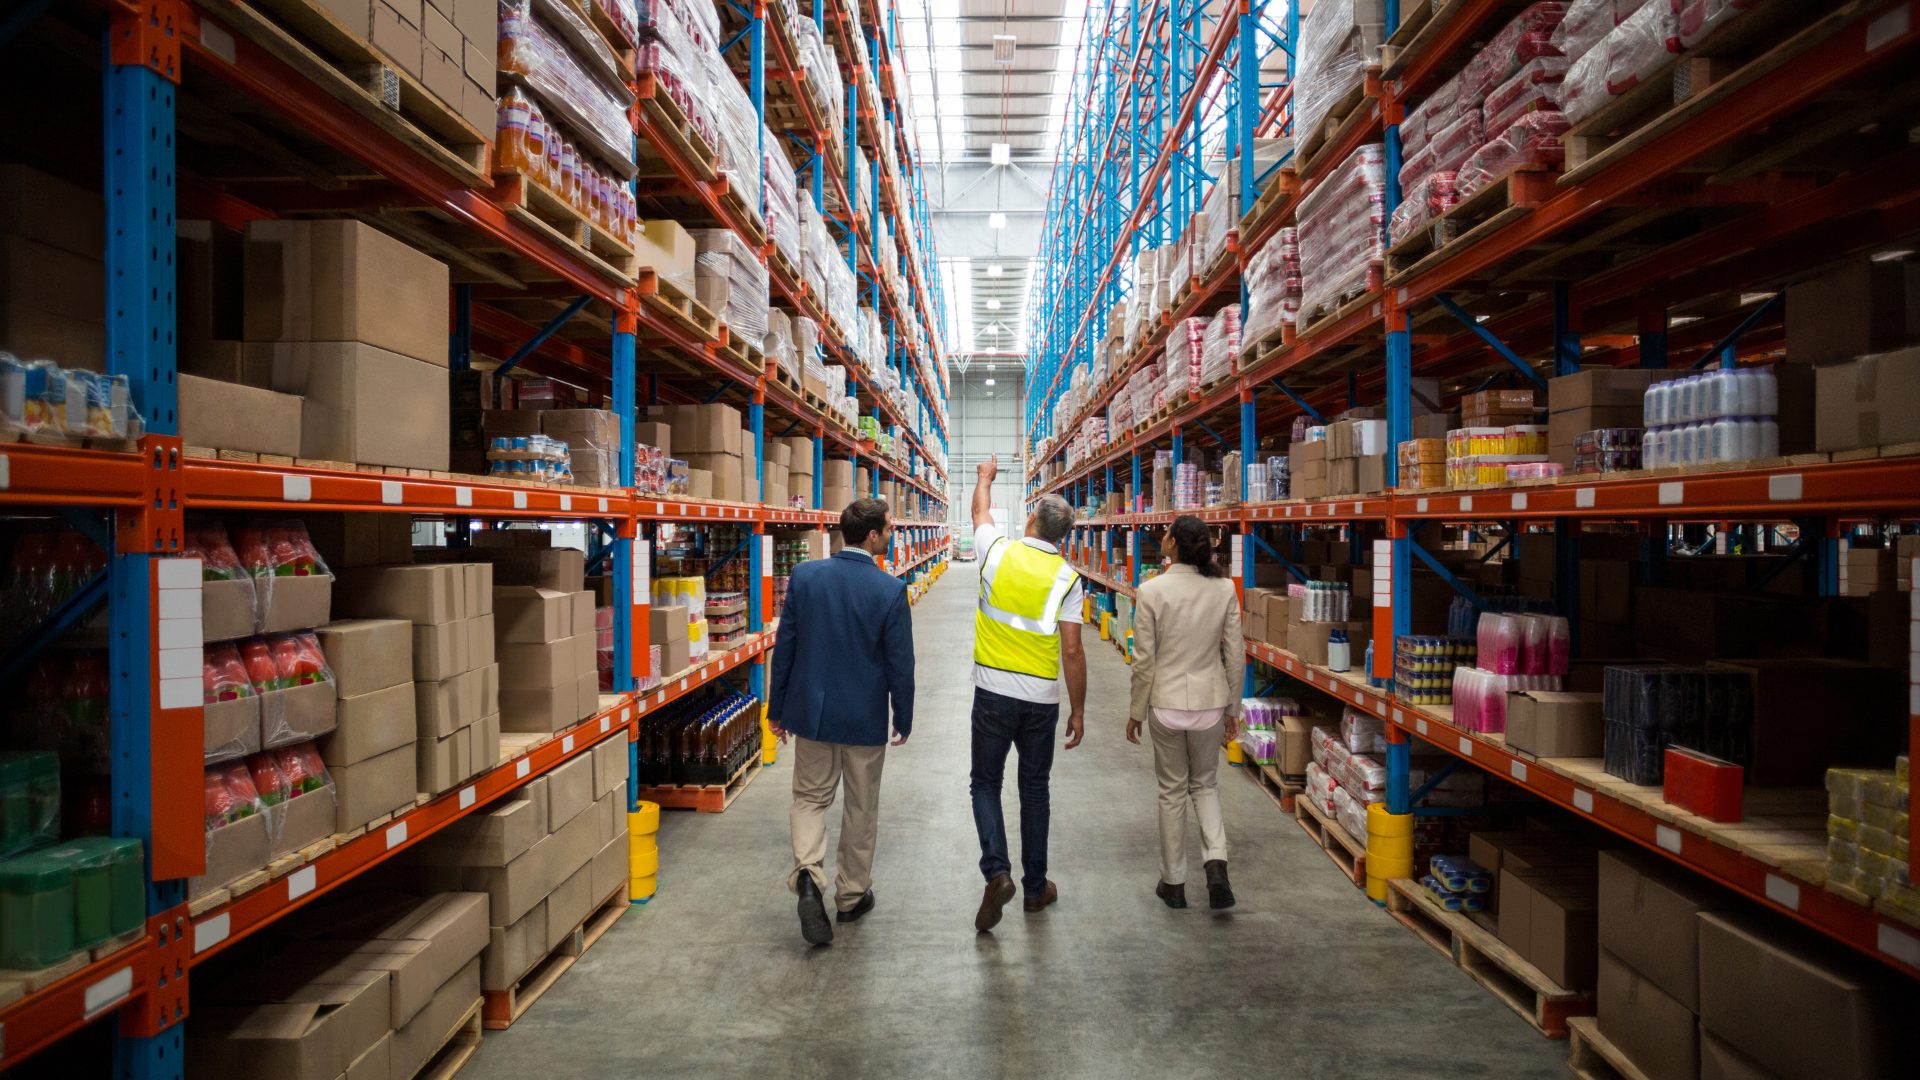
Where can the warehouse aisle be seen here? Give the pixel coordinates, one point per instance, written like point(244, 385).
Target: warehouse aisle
point(1303, 979)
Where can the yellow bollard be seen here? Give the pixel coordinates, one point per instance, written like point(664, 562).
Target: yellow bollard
point(1236, 754)
point(1389, 849)
point(644, 821)
point(640, 888)
point(643, 863)
point(769, 744)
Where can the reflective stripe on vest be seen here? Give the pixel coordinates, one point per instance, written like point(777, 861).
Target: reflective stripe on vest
point(1022, 592)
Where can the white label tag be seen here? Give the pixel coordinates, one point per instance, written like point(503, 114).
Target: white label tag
point(1466, 746)
point(1358, 509)
point(1519, 502)
point(1466, 503)
point(1888, 27)
point(1519, 771)
point(396, 834)
point(183, 573)
point(683, 684)
point(521, 768)
point(606, 724)
point(1420, 505)
point(603, 505)
point(1783, 892)
point(467, 795)
point(108, 991)
point(1785, 488)
point(642, 570)
point(566, 502)
point(1667, 837)
point(211, 932)
point(6, 473)
point(301, 882)
point(296, 488)
point(519, 500)
point(1238, 554)
point(463, 496)
point(1899, 944)
point(566, 745)
point(1583, 800)
point(1673, 492)
point(390, 492)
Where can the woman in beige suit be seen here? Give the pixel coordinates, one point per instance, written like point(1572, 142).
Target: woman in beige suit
point(1187, 666)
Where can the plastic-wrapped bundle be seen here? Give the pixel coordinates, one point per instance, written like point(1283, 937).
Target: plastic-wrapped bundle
point(1695, 19)
point(1527, 37)
point(1337, 39)
point(842, 303)
point(823, 76)
point(1362, 733)
point(1120, 412)
point(1630, 52)
point(1427, 200)
point(1279, 478)
point(1535, 87)
point(1351, 812)
point(1648, 708)
point(873, 339)
point(739, 129)
point(1220, 347)
point(1184, 344)
point(1588, 21)
point(1531, 142)
point(1451, 145)
point(685, 82)
point(1341, 228)
point(783, 202)
point(721, 253)
point(536, 55)
point(1320, 787)
point(816, 246)
point(1434, 112)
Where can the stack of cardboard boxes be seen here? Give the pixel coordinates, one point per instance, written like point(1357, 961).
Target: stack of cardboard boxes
point(1356, 454)
point(667, 632)
point(456, 678)
point(800, 470)
point(836, 484)
point(593, 443)
point(52, 243)
point(713, 442)
point(383, 987)
point(1592, 399)
point(775, 471)
point(372, 743)
point(447, 46)
point(546, 857)
point(1545, 900)
point(1306, 467)
point(550, 677)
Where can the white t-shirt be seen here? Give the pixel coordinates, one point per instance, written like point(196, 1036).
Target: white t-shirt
point(1010, 683)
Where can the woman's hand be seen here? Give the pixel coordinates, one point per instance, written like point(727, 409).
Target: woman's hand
point(1133, 732)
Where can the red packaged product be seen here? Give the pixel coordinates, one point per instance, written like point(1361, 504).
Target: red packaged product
point(218, 560)
point(1532, 143)
point(1451, 146)
point(1693, 20)
point(1588, 21)
point(298, 660)
point(230, 794)
point(1528, 37)
point(223, 676)
point(257, 655)
point(302, 767)
point(1535, 86)
point(268, 778)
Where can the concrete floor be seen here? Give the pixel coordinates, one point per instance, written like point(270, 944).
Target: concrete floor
point(1304, 978)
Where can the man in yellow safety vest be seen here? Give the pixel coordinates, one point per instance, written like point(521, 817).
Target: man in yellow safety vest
point(1026, 634)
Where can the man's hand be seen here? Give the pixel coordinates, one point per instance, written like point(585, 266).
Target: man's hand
point(989, 468)
point(1133, 732)
point(898, 740)
point(779, 732)
point(1076, 724)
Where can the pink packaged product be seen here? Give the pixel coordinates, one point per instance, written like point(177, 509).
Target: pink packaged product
point(1452, 145)
point(1587, 21)
point(1528, 37)
point(1535, 470)
point(1434, 196)
point(1536, 86)
point(1533, 141)
point(1498, 636)
point(1693, 20)
point(1631, 52)
point(1342, 230)
point(1417, 166)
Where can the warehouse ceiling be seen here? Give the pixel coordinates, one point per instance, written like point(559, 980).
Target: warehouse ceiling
point(987, 82)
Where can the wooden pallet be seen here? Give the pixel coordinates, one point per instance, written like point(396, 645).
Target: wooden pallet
point(308, 38)
point(1320, 324)
point(546, 213)
point(704, 798)
point(668, 298)
point(462, 1043)
point(1278, 788)
point(1420, 22)
point(1592, 1056)
point(501, 1008)
point(1465, 224)
point(1483, 956)
point(787, 379)
point(664, 120)
point(1283, 183)
point(1348, 854)
point(1347, 113)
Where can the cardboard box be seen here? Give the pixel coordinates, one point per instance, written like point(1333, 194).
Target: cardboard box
point(1296, 742)
point(1797, 1006)
point(444, 707)
point(1566, 425)
point(397, 40)
point(314, 1030)
point(1649, 919)
point(226, 609)
point(345, 281)
point(476, 19)
point(1809, 714)
point(494, 837)
point(292, 603)
point(1688, 625)
point(609, 767)
point(1855, 308)
point(837, 472)
point(366, 654)
point(48, 210)
point(569, 791)
point(674, 658)
point(232, 728)
point(570, 903)
point(531, 615)
point(540, 709)
point(481, 651)
point(1606, 388)
point(725, 470)
point(607, 872)
point(296, 714)
point(513, 890)
point(301, 821)
point(368, 725)
point(1563, 935)
point(559, 569)
point(526, 665)
point(1555, 725)
point(362, 404)
point(655, 434)
point(361, 539)
point(666, 247)
point(1720, 1061)
point(441, 651)
point(1658, 1034)
point(233, 851)
point(228, 416)
point(415, 1044)
point(1866, 402)
point(665, 624)
point(513, 950)
point(425, 594)
point(444, 761)
point(699, 484)
point(377, 785)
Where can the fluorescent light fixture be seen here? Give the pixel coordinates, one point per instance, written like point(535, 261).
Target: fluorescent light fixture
point(995, 270)
point(990, 382)
point(1000, 153)
point(1003, 49)
point(996, 220)
point(993, 304)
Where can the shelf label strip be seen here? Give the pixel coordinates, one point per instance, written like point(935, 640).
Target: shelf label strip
point(108, 992)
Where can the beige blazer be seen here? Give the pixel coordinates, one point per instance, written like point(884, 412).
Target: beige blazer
point(1187, 648)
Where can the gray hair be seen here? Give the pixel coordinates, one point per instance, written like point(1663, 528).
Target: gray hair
point(1052, 517)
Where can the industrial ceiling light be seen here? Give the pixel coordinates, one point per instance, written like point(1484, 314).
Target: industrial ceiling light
point(994, 270)
point(996, 220)
point(993, 305)
point(1003, 49)
point(990, 382)
point(1000, 153)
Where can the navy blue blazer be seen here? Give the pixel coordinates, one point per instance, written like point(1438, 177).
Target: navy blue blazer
point(845, 646)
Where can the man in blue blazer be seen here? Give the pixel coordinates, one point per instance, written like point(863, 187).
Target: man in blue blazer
point(845, 646)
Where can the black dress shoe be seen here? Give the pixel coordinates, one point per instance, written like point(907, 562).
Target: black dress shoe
point(814, 926)
point(1219, 893)
point(1174, 895)
point(853, 913)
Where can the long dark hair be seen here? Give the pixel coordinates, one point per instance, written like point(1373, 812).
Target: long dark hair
point(1194, 543)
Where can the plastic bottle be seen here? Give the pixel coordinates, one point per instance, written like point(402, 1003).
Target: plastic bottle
point(1749, 428)
point(1769, 438)
point(1339, 653)
point(1769, 393)
point(1725, 439)
point(515, 113)
point(1653, 405)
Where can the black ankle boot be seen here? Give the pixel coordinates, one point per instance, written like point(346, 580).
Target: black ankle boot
point(814, 926)
point(1219, 893)
point(1174, 895)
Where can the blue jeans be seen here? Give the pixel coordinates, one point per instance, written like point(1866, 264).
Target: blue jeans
point(1001, 723)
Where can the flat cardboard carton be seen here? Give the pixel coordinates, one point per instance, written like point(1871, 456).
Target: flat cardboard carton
point(674, 658)
point(570, 903)
point(1720, 1061)
point(452, 924)
point(377, 785)
point(528, 615)
point(532, 666)
point(569, 791)
point(366, 654)
point(512, 890)
point(232, 728)
point(1650, 920)
point(296, 714)
point(582, 613)
point(361, 539)
point(345, 281)
point(425, 594)
point(539, 709)
point(416, 1043)
point(226, 609)
point(1854, 308)
point(1605, 387)
point(362, 404)
point(312, 1031)
point(513, 950)
point(444, 707)
point(481, 650)
point(588, 688)
point(1658, 1034)
point(444, 762)
point(292, 603)
point(1296, 742)
point(1554, 725)
point(559, 569)
point(1867, 402)
point(441, 651)
point(493, 838)
point(301, 821)
point(376, 1063)
point(228, 416)
point(609, 766)
point(608, 871)
point(368, 725)
point(233, 851)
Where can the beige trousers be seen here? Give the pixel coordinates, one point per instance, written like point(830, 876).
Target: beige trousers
point(819, 770)
point(1187, 763)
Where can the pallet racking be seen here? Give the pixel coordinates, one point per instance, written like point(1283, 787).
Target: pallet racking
point(530, 293)
point(1650, 245)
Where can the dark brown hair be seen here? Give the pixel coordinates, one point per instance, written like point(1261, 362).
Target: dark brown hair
point(1194, 543)
point(861, 519)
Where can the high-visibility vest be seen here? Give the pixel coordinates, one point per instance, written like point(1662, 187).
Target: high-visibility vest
point(1022, 590)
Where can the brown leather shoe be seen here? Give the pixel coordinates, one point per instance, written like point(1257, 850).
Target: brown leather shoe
point(1047, 896)
point(998, 895)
